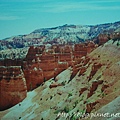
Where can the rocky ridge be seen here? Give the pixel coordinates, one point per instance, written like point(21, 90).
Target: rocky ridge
point(66, 34)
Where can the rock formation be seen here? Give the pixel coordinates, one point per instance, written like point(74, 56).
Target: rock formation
point(94, 87)
point(95, 68)
point(103, 38)
point(12, 86)
point(39, 65)
point(34, 77)
point(90, 107)
point(66, 94)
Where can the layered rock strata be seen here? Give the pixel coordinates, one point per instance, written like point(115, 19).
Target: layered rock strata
point(12, 86)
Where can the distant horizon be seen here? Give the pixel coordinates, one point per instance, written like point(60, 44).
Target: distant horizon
point(56, 26)
point(25, 16)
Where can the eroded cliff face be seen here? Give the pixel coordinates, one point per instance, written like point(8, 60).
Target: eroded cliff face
point(94, 84)
point(104, 37)
point(40, 65)
point(43, 64)
point(12, 86)
point(74, 78)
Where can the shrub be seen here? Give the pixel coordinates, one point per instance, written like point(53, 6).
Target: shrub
point(70, 94)
point(66, 109)
point(57, 111)
point(63, 83)
point(118, 44)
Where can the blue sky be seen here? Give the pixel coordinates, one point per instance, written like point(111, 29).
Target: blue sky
point(19, 17)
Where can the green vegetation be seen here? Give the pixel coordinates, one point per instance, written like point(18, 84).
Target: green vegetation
point(73, 117)
point(57, 111)
point(103, 94)
point(75, 103)
point(63, 83)
point(118, 44)
point(88, 101)
point(82, 98)
point(51, 97)
point(70, 94)
point(115, 89)
point(66, 109)
point(82, 111)
point(98, 77)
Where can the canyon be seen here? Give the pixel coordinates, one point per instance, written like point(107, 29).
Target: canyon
point(89, 85)
point(80, 77)
point(40, 65)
